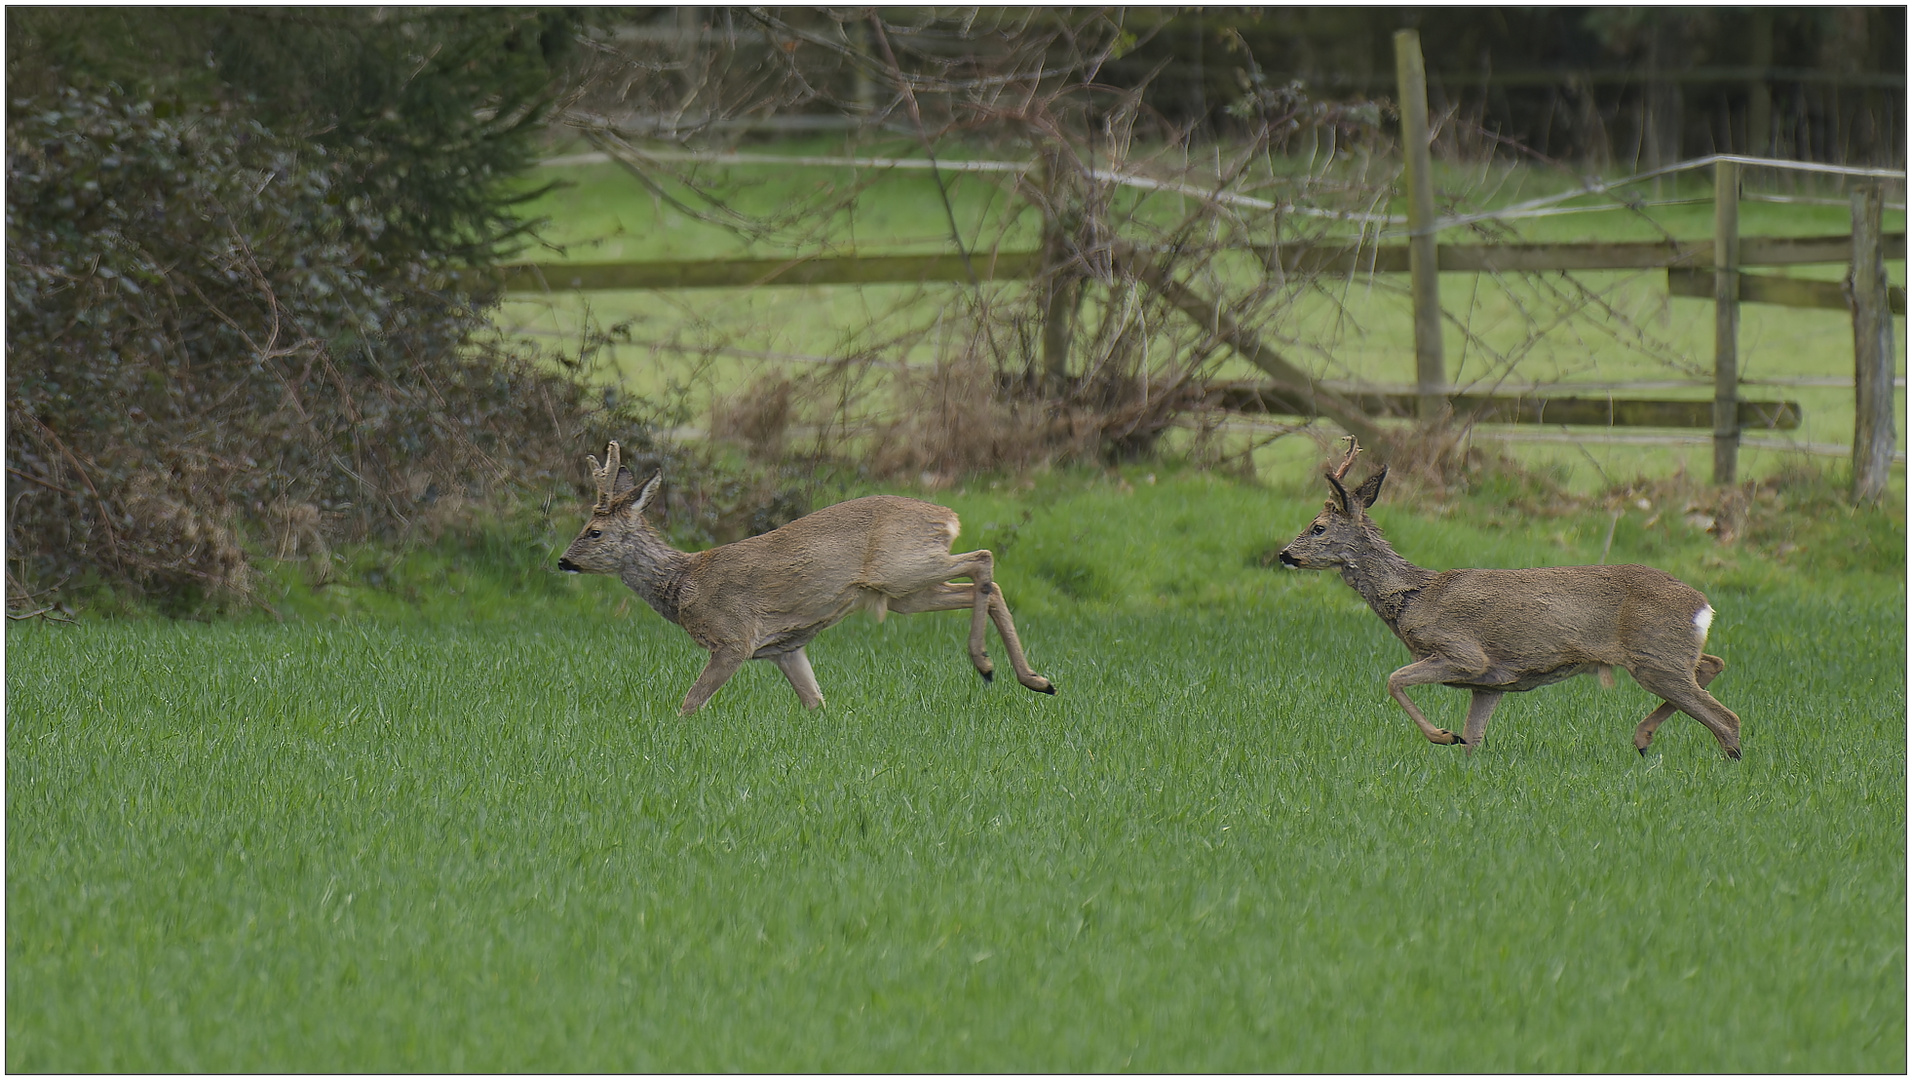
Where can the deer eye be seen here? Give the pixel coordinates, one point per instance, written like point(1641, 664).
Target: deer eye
point(595, 533)
point(1318, 529)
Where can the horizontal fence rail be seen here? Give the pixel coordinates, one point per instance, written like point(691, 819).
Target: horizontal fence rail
point(1291, 258)
point(1543, 204)
point(1767, 289)
point(750, 273)
point(1268, 398)
point(1583, 437)
point(1518, 258)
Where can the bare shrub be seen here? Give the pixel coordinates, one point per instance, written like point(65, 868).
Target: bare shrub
point(759, 416)
point(953, 419)
point(1436, 461)
point(170, 541)
point(1085, 360)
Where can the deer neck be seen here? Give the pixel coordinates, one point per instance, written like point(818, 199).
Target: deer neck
point(655, 571)
point(1384, 579)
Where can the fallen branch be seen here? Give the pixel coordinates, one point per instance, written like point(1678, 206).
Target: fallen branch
point(1215, 319)
point(50, 613)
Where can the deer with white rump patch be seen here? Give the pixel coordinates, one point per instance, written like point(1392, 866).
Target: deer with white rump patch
point(766, 597)
point(1499, 631)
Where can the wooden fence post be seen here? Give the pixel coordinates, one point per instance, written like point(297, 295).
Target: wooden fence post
point(1872, 428)
point(1059, 284)
point(1430, 366)
point(1725, 322)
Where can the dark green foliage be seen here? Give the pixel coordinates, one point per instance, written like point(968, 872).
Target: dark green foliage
point(428, 113)
point(247, 290)
point(201, 334)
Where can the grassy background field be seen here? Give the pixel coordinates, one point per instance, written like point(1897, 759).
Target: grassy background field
point(456, 824)
point(1363, 331)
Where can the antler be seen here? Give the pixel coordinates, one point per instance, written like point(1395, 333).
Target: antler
point(605, 474)
point(1341, 470)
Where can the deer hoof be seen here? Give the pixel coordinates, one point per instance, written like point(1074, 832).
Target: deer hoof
point(1047, 687)
point(1642, 750)
point(1733, 753)
point(988, 676)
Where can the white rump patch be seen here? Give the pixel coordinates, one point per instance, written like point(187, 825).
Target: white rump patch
point(1703, 621)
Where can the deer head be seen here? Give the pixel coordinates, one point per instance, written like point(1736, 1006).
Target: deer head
point(1340, 532)
point(617, 522)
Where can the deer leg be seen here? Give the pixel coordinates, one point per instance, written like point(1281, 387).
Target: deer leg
point(795, 666)
point(1708, 669)
point(951, 597)
point(1478, 710)
point(945, 597)
point(723, 664)
point(1705, 672)
point(1006, 629)
point(1682, 690)
point(978, 567)
point(1434, 669)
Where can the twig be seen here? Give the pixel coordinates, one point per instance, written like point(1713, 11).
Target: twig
point(50, 613)
point(916, 117)
point(44, 483)
point(106, 513)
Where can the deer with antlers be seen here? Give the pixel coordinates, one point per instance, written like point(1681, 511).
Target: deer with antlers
point(1498, 631)
point(766, 597)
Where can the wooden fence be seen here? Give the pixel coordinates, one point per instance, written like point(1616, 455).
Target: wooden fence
point(1689, 269)
point(1685, 264)
point(1703, 269)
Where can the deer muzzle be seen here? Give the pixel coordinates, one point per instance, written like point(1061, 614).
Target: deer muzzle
point(1288, 560)
point(570, 567)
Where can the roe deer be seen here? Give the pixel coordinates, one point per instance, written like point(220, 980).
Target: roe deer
point(1496, 631)
point(765, 598)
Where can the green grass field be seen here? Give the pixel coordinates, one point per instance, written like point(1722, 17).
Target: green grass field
point(468, 832)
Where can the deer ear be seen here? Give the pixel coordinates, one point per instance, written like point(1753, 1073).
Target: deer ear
point(1370, 488)
point(1341, 497)
point(625, 481)
point(649, 492)
point(630, 497)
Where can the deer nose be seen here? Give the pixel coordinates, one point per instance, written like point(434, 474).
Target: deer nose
point(1288, 560)
point(568, 566)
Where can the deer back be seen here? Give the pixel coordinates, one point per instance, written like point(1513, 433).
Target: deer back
point(822, 565)
point(1542, 619)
